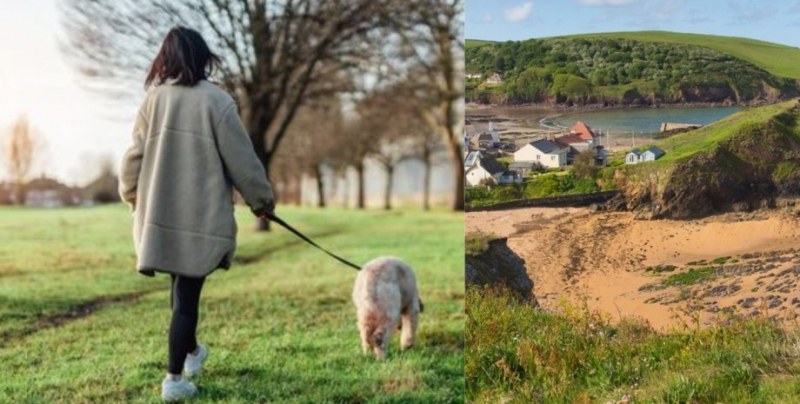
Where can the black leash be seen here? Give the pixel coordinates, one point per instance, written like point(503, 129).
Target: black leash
point(286, 226)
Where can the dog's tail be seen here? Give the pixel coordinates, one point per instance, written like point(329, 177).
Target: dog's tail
point(421, 306)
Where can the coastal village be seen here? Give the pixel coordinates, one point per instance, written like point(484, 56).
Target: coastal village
point(485, 151)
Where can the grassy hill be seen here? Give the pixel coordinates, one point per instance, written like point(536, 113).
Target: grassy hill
point(78, 324)
point(633, 68)
point(780, 60)
point(472, 43)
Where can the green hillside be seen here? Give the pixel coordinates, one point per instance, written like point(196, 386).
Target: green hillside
point(705, 139)
point(739, 163)
point(633, 68)
point(780, 60)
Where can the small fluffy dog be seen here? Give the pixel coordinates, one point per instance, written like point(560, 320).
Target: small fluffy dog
point(385, 295)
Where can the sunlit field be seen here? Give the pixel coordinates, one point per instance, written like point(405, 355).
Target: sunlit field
point(78, 324)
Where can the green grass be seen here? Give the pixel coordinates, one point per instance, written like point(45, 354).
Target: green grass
point(780, 60)
point(690, 277)
point(516, 353)
point(658, 269)
point(472, 43)
point(476, 243)
point(280, 324)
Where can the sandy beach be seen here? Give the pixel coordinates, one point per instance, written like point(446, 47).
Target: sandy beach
point(669, 273)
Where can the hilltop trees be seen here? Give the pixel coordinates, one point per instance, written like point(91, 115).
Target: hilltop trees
point(603, 69)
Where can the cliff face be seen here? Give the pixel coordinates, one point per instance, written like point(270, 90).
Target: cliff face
point(748, 170)
point(498, 265)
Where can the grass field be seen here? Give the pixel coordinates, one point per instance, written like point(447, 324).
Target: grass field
point(516, 353)
point(77, 324)
point(780, 60)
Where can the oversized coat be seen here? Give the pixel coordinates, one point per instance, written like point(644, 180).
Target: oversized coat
point(189, 150)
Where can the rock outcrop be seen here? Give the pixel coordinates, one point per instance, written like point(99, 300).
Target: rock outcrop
point(499, 265)
point(747, 171)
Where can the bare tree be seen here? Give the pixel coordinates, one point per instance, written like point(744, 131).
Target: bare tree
point(358, 143)
point(19, 153)
point(392, 148)
point(277, 53)
point(434, 35)
point(425, 144)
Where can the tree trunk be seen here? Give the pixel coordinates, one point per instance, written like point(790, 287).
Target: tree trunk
point(458, 172)
point(360, 172)
point(387, 201)
point(320, 186)
point(20, 195)
point(426, 184)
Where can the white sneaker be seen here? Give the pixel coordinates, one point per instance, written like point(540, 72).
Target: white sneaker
point(172, 390)
point(194, 363)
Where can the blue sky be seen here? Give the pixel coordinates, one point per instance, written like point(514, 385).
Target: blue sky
point(774, 21)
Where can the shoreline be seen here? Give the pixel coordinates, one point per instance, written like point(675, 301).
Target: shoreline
point(563, 109)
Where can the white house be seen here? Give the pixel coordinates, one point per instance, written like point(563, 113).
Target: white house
point(637, 156)
point(545, 152)
point(633, 156)
point(652, 153)
point(478, 168)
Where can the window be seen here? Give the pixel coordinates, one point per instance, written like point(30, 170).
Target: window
point(552, 158)
point(538, 157)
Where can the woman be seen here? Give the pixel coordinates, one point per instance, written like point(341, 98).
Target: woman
point(189, 151)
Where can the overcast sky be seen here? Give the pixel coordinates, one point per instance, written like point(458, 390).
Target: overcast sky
point(772, 20)
point(78, 127)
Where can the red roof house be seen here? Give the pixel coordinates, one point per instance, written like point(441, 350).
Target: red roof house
point(583, 130)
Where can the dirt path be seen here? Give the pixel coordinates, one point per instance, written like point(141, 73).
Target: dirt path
point(666, 272)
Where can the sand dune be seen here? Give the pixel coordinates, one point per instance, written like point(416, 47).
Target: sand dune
point(622, 266)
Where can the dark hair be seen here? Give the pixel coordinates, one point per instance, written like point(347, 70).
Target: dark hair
point(184, 56)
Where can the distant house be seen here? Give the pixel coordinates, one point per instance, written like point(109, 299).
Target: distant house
point(584, 132)
point(652, 153)
point(478, 168)
point(545, 152)
point(46, 192)
point(633, 156)
point(637, 156)
point(494, 78)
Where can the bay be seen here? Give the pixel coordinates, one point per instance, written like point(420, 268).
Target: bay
point(642, 120)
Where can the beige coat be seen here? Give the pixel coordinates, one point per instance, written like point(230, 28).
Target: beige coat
point(189, 151)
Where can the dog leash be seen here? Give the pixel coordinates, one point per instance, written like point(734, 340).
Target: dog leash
point(297, 233)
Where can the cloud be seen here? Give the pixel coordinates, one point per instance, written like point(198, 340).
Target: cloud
point(518, 13)
point(487, 17)
point(606, 2)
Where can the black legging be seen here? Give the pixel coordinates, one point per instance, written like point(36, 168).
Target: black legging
point(185, 299)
